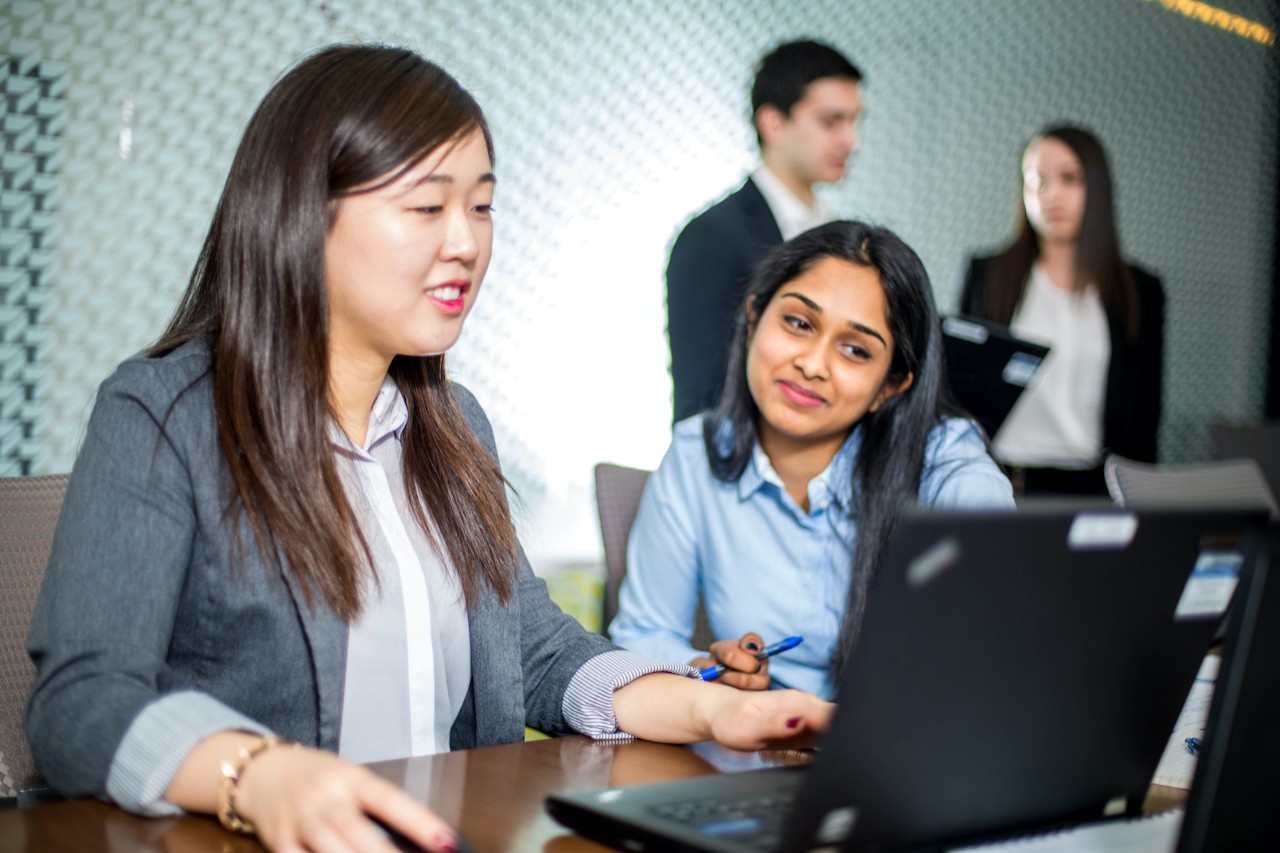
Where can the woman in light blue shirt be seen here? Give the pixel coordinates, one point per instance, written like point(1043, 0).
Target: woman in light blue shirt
point(775, 507)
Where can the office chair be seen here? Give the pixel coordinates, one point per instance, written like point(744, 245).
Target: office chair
point(29, 508)
point(1231, 482)
point(1259, 442)
point(618, 491)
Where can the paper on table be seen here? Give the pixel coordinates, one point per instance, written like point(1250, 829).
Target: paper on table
point(1155, 834)
point(1178, 764)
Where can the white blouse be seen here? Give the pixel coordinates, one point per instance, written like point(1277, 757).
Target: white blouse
point(1057, 422)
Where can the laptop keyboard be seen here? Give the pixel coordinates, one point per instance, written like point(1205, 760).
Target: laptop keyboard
point(754, 822)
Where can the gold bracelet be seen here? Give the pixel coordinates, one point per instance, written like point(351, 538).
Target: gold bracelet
point(231, 773)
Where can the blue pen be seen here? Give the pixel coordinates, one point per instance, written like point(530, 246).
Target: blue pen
point(1194, 745)
point(777, 648)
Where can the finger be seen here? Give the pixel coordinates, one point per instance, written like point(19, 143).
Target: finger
point(744, 681)
point(732, 655)
point(702, 663)
point(752, 642)
point(405, 815)
point(364, 834)
point(323, 837)
point(797, 712)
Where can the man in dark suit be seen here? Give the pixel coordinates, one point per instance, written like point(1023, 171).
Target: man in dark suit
point(805, 102)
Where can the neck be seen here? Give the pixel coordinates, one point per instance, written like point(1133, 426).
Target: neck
point(353, 385)
point(798, 461)
point(1058, 259)
point(799, 188)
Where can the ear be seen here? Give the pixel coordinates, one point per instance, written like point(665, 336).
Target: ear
point(891, 390)
point(770, 122)
point(753, 318)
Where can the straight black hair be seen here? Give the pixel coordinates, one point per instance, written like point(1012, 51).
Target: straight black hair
point(890, 461)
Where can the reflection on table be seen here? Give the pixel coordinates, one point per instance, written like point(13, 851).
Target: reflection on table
point(493, 795)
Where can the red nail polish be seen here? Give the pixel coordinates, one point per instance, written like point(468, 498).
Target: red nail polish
point(794, 722)
point(446, 843)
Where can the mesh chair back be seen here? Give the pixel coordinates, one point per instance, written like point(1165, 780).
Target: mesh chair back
point(1231, 482)
point(618, 491)
point(29, 508)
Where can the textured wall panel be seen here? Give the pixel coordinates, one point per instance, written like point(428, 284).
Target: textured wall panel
point(31, 122)
point(615, 122)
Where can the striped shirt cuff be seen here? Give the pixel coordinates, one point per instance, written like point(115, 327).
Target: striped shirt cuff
point(157, 743)
point(588, 701)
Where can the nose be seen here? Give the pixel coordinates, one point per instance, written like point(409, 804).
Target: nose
point(811, 362)
point(851, 138)
point(460, 240)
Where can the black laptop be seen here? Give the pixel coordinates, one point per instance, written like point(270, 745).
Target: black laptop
point(988, 367)
point(1015, 671)
point(1231, 804)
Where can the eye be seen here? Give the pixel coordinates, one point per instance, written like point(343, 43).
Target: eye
point(483, 209)
point(800, 324)
point(430, 210)
point(856, 352)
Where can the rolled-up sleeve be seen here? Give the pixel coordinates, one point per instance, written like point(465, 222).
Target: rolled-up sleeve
point(588, 702)
point(158, 742)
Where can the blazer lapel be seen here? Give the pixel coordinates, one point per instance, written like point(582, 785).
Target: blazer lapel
point(326, 637)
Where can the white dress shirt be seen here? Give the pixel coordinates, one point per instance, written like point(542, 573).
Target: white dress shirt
point(792, 215)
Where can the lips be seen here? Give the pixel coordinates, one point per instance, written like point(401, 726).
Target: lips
point(800, 396)
point(448, 296)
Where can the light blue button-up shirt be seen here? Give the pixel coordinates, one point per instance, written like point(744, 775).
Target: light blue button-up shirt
point(761, 562)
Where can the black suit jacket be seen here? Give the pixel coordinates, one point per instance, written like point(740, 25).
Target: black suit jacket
point(711, 263)
point(1132, 404)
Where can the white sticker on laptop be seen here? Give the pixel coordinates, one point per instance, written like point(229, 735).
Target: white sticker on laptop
point(837, 825)
point(965, 330)
point(1102, 530)
point(1212, 583)
point(1019, 369)
point(934, 561)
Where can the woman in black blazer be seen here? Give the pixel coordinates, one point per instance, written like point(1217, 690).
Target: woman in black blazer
point(1063, 282)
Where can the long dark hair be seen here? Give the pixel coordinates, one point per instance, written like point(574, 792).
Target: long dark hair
point(1098, 258)
point(347, 119)
point(891, 457)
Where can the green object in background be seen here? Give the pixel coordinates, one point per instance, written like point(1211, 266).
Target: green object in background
point(579, 590)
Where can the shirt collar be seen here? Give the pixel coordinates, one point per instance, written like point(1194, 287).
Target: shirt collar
point(835, 482)
point(388, 417)
point(792, 215)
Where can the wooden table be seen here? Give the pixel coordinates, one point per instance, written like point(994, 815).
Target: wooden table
point(493, 795)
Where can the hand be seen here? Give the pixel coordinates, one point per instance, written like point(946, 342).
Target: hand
point(744, 671)
point(786, 719)
point(310, 800)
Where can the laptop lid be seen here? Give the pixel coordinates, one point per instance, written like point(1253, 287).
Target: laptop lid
point(1230, 804)
point(988, 368)
point(1015, 670)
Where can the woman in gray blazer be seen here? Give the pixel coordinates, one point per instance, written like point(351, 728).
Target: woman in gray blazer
point(286, 534)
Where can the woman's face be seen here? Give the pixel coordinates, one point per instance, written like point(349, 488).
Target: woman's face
point(404, 262)
point(819, 354)
point(1053, 190)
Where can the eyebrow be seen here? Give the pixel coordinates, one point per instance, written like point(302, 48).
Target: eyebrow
point(442, 178)
point(856, 326)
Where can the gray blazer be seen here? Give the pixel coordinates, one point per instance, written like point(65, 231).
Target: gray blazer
point(149, 591)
